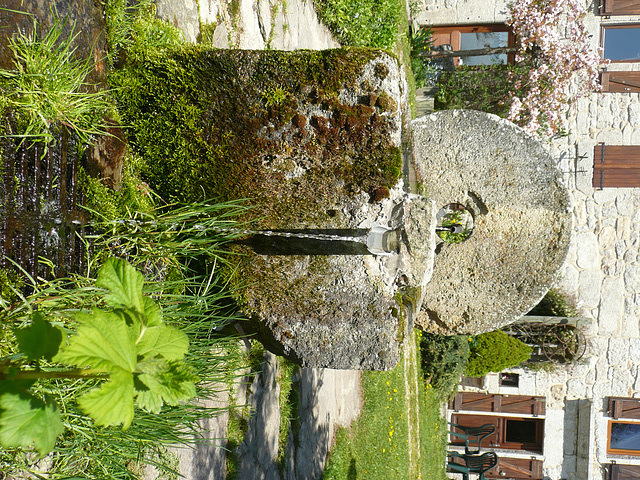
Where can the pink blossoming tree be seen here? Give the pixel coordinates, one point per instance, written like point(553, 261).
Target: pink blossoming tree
point(554, 42)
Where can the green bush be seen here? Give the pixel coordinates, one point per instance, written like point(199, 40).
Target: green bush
point(444, 359)
point(478, 87)
point(555, 304)
point(494, 352)
point(366, 23)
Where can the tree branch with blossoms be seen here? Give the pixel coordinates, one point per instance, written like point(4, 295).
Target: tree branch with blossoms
point(555, 43)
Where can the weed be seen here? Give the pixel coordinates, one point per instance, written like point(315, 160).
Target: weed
point(47, 88)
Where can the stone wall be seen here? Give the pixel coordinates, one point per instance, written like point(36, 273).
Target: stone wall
point(459, 12)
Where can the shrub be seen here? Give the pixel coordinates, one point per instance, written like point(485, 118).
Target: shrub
point(478, 87)
point(444, 360)
point(494, 352)
point(368, 23)
point(555, 304)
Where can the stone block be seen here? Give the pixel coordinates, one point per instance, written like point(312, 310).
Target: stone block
point(618, 351)
point(634, 114)
point(588, 254)
point(632, 278)
point(576, 388)
point(589, 288)
point(611, 306)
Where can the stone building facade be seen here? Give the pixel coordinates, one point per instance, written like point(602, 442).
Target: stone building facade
point(585, 403)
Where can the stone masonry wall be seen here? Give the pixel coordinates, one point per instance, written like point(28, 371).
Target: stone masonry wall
point(459, 12)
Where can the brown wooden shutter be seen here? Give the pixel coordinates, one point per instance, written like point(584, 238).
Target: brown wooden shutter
point(517, 468)
point(616, 166)
point(623, 472)
point(620, 82)
point(624, 407)
point(620, 7)
point(481, 402)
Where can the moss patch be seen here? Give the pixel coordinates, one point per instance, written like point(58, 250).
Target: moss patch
point(272, 126)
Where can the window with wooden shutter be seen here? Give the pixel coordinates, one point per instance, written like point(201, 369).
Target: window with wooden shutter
point(472, 37)
point(517, 468)
point(624, 427)
point(620, 82)
point(624, 407)
point(616, 166)
point(620, 7)
point(481, 402)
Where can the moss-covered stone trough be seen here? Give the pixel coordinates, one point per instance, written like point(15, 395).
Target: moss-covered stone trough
point(311, 140)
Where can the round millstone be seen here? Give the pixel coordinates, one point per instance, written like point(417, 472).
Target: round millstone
point(522, 220)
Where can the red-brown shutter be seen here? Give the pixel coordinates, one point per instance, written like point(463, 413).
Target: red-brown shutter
point(620, 7)
point(623, 472)
point(620, 82)
point(481, 402)
point(517, 468)
point(616, 166)
point(624, 407)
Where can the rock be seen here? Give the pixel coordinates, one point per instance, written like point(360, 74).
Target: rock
point(522, 215)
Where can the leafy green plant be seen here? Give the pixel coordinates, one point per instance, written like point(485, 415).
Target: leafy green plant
point(479, 87)
point(133, 28)
point(494, 352)
point(367, 23)
point(47, 88)
point(555, 303)
point(444, 360)
point(128, 346)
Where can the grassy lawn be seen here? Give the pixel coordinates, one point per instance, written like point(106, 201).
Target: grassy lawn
point(377, 445)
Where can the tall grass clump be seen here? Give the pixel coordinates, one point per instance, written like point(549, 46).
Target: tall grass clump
point(366, 23)
point(47, 88)
point(133, 28)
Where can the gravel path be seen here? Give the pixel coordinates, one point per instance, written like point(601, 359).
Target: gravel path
point(327, 398)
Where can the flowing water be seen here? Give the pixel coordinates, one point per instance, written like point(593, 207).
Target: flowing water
point(41, 215)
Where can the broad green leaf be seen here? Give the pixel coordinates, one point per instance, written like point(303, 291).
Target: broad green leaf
point(40, 339)
point(123, 282)
point(112, 402)
point(163, 340)
point(103, 343)
point(167, 382)
point(152, 312)
point(27, 420)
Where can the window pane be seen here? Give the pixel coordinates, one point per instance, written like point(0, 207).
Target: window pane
point(622, 43)
point(473, 41)
point(625, 436)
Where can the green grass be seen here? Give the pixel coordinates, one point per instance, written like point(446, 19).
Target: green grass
point(288, 402)
point(47, 90)
point(377, 446)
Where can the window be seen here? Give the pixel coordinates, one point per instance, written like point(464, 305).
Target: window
point(624, 426)
point(509, 379)
point(624, 438)
point(621, 43)
point(472, 37)
point(616, 166)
